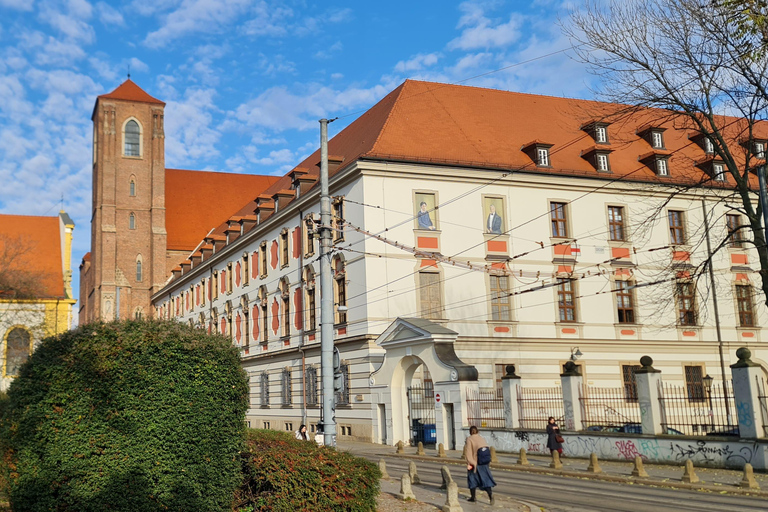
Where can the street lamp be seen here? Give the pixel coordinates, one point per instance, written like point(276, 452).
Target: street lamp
point(575, 353)
point(708, 386)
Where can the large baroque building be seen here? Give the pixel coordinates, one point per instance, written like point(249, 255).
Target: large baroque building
point(473, 228)
point(35, 285)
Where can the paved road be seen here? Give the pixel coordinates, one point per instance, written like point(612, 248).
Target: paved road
point(562, 494)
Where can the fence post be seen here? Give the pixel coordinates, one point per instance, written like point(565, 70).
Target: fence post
point(648, 380)
point(571, 382)
point(510, 387)
point(746, 395)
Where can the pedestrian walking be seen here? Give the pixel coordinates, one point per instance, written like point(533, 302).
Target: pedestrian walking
point(554, 439)
point(301, 434)
point(478, 456)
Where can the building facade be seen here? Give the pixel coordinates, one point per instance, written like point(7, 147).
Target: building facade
point(35, 285)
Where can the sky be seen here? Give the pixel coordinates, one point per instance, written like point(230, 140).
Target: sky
point(244, 81)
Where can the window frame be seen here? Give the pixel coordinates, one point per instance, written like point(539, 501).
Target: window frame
point(677, 231)
point(719, 175)
point(286, 388)
point(562, 301)
point(542, 157)
point(428, 308)
point(745, 305)
point(557, 222)
point(628, 373)
point(601, 134)
point(132, 187)
point(139, 143)
point(694, 385)
point(139, 269)
point(501, 301)
point(337, 212)
point(264, 389)
point(284, 248)
point(7, 348)
point(132, 221)
point(662, 166)
point(616, 227)
point(339, 290)
point(687, 315)
point(657, 139)
point(735, 235)
point(285, 299)
point(602, 162)
point(310, 291)
point(264, 270)
point(623, 295)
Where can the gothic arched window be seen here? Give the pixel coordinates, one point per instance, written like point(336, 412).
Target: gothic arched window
point(132, 139)
point(132, 221)
point(18, 344)
point(139, 272)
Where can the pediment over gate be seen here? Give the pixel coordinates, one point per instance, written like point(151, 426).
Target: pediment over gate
point(427, 341)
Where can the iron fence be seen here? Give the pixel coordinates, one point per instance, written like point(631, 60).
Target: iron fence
point(697, 412)
point(537, 404)
point(609, 409)
point(763, 399)
point(485, 409)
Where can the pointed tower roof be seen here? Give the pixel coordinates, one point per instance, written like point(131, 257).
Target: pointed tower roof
point(129, 91)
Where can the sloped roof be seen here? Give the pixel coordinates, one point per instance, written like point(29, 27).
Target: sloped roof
point(129, 91)
point(196, 201)
point(30, 250)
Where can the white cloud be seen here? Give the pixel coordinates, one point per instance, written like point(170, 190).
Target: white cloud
point(69, 19)
point(21, 5)
point(417, 62)
point(108, 15)
point(328, 52)
point(481, 32)
point(189, 135)
point(196, 16)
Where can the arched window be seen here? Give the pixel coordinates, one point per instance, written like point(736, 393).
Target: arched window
point(18, 344)
point(264, 315)
point(139, 273)
point(132, 187)
point(340, 289)
point(132, 139)
point(138, 313)
point(132, 221)
point(285, 297)
point(310, 303)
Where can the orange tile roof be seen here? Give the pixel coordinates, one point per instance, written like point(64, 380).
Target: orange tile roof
point(196, 201)
point(129, 91)
point(33, 244)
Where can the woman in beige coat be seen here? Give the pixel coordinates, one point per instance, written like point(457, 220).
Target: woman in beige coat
point(478, 474)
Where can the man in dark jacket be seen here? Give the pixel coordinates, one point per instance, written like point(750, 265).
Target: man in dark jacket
point(478, 475)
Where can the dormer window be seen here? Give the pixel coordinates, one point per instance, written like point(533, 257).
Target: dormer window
point(760, 150)
point(657, 139)
point(538, 151)
point(601, 134)
point(718, 171)
point(709, 146)
point(602, 162)
point(542, 157)
point(662, 168)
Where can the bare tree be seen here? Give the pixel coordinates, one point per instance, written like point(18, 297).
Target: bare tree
point(690, 60)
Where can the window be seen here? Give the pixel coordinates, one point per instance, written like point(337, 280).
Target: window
point(760, 150)
point(500, 299)
point(311, 304)
point(744, 305)
point(265, 390)
point(139, 273)
point(661, 167)
point(285, 298)
point(263, 249)
point(625, 302)
point(343, 397)
point(542, 157)
point(676, 227)
point(427, 383)
point(500, 370)
point(630, 385)
point(709, 146)
point(735, 235)
point(602, 162)
point(657, 139)
point(132, 139)
point(131, 221)
point(616, 223)
point(718, 171)
point(694, 383)
point(18, 345)
point(429, 295)
point(215, 285)
point(132, 188)
point(284, 248)
point(286, 387)
point(559, 220)
point(246, 322)
point(309, 243)
point(686, 303)
point(264, 316)
point(601, 134)
point(338, 219)
point(310, 381)
point(566, 301)
point(246, 269)
point(340, 277)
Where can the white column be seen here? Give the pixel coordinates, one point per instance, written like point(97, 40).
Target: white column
point(747, 376)
point(510, 387)
point(571, 382)
point(648, 380)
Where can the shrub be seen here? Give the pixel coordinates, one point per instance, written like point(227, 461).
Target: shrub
point(136, 415)
point(283, 474)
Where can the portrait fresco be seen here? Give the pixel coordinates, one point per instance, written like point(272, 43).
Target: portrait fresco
point(424, 211)
point(493, 214)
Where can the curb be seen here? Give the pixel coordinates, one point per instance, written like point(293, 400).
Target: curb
point(599, 476)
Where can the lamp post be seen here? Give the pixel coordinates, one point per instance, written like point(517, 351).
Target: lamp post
point(708, 386)
point(575, 353)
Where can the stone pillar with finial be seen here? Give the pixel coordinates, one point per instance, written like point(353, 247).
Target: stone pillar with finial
point(510, 389)
point(571, 382)
point(747, 383)
point(647, 382)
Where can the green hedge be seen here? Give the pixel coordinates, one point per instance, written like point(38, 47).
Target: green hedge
point(135, 416)
point(283, 474)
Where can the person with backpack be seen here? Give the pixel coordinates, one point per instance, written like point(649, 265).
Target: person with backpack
point(478, 456)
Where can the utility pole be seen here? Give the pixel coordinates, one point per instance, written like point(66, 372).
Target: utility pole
point(717, 311)
point(326, 295)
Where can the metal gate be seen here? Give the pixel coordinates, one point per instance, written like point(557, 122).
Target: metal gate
point(421, 414)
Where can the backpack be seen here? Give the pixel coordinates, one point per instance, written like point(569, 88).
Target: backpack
point(483, 456)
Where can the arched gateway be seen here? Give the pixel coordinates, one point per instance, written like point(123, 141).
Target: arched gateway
point(418, 391)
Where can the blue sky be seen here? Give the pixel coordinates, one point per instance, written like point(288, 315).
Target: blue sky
point(245, 81)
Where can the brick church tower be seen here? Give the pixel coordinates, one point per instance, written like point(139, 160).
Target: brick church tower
point(126, 264)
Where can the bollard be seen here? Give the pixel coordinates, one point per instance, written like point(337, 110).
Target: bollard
point(689, 475)
point(523, 458)
point(415, 480)
point(494, 458)
point(441, 450)
point(400, 448)
point(446, 474)
point(749, 482)
point(383, 469)
point(556, 464)
point(594, 466)
point(639, 470)
point(406, 493)
point(452, 499)
point(420, 448)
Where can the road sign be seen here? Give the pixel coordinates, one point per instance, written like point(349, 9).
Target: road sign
point(437, 397)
